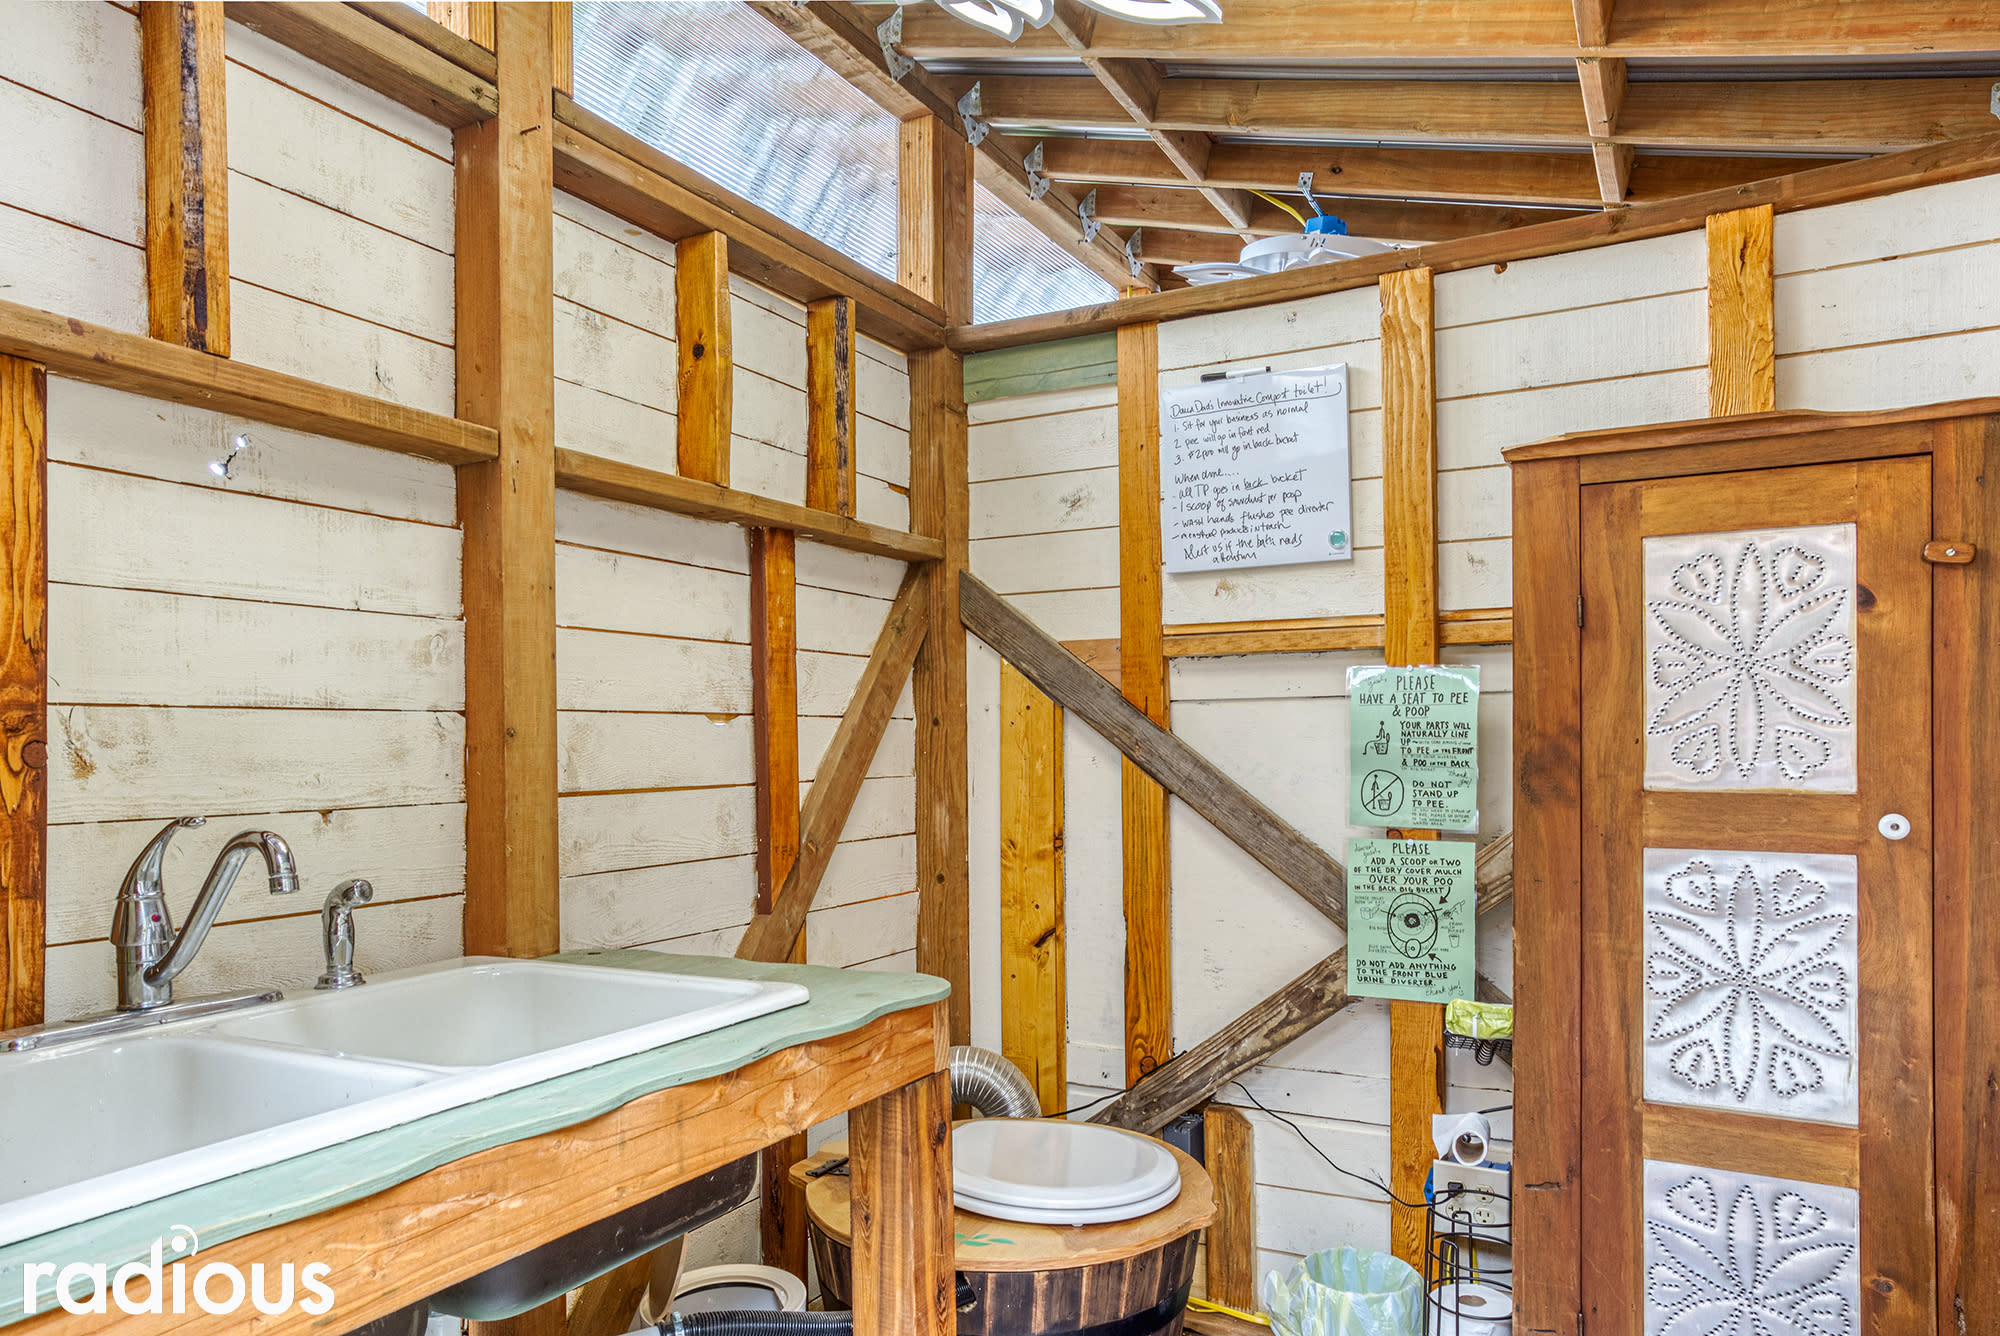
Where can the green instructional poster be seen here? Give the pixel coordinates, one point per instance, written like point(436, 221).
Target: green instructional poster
point(1410, 911)
point(1413, 747)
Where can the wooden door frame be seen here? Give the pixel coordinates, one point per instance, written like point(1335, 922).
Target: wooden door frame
point(1963, 441)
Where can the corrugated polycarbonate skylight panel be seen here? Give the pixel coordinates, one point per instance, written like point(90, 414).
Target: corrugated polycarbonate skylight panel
point(713, 85)
point(1018, 271)
point(721, 90)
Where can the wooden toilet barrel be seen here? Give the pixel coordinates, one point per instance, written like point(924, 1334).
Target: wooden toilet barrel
point(1126, 1278)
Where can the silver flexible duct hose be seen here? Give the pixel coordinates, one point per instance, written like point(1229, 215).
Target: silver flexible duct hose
point(991, 1084)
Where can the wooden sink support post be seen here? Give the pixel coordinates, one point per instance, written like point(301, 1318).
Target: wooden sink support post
point(904, 1279)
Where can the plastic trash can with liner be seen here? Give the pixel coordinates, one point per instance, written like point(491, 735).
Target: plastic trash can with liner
point(1346, 1292)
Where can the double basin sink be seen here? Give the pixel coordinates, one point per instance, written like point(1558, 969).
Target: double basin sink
point(100, 1125)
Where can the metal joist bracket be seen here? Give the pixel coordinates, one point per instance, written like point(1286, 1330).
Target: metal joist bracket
point(1038, 182)
point(1132, 260)
point(1086, 213)
point(1306, 189)
point(969, 111)
point(889, 32)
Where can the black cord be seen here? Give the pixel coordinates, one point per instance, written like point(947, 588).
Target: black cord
point(1079, 1108)
point(1375, 1183)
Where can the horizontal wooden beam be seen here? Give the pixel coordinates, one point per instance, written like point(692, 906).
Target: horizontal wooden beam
point(624, 175)
point(136, 364)
point(1312, 635)
point(847, 44)
point(359, 45)
point(1451, 30)
point(1805, 115)
point(1292, 1011)
point(615, 480)
point(1402, 173)
point(1179, 768)
point(1836, 184)
point(837, 780)
point(1401, 220)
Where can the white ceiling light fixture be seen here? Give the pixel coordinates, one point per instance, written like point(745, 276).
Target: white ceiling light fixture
point(1002, 18)
point(1007, 18)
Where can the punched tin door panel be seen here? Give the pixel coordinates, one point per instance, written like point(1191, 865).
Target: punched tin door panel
point(1757, 903)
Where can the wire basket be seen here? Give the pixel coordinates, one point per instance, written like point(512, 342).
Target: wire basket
point(1468, 1260)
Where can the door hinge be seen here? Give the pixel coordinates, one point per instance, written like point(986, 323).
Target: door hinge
point(1579, 1324)
point(1949, 552)
point(1579, 612)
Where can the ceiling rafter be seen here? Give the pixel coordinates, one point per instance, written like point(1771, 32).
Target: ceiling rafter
point(1602, 81)
point(1518, 178)
point(1388, 220)
point(1135, 85)
point(1456, 30)
point(845, 41)
point(1826, 116)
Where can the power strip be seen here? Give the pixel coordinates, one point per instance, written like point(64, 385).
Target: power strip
point(1480, 1191)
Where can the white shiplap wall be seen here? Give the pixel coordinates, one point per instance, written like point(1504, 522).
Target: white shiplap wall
point(280, 648)
point(1880, 303)
point(72, 240)
point(340, 229)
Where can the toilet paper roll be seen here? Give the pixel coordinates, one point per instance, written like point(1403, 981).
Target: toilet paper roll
point(1461, 1137)
point(1473, 1309)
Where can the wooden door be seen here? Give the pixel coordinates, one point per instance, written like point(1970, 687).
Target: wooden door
point(1756, 1046)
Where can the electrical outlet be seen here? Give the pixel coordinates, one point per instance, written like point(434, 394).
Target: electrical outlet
point(1480, 1191)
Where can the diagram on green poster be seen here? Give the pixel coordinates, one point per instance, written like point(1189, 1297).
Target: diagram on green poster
point(1414, 747)
point(1410, 910)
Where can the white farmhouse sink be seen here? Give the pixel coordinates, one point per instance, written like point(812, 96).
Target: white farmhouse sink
point(78, 1120)
point(483, 1012)
point(95, 1126)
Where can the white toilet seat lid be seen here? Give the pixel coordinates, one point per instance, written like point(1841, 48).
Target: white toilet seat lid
point(1051, 1165)
point(1028, 1215)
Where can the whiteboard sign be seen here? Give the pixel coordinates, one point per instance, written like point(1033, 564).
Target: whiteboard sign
point(1256, 471)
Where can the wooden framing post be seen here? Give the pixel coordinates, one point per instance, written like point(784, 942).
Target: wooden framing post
point(1742, 364)
point(187, 174)
point(830, 405)
point(1149, 984)
point(903, 1282)
point(1232, 1239)
point(1410, 637)
point(24, 688)
point(1033, 997)
point(506, 380)
point(774, 643)
point(701, 341)
point(935, 259)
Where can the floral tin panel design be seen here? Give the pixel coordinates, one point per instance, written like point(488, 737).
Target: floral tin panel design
point(1749, 668)
point(1743, 1255)
point(1749, 982)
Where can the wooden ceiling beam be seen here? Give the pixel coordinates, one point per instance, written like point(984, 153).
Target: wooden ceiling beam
point(845, 41)
point(1831, 116)
point(1468, 175)
point(1602, 79)
point(1593, 22)
point(1135, 86)
point(1444, 30)
point(1390, 220)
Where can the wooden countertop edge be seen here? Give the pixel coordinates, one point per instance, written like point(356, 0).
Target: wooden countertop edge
point(405, 1243)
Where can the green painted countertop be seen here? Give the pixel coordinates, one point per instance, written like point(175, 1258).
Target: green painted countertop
point(842, 1000)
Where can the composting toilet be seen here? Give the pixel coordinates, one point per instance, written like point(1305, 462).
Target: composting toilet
point(1059, 1173)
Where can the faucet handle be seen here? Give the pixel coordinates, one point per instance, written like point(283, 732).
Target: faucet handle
point(143, 877)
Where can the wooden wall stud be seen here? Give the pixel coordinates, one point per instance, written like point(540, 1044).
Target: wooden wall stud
point(1742, 366)
point(1410, 636)
point(187, 174)
point(830, 372)
point(1033, 995)
point(506, 379)
point(934, 260)
point(701, 334)
point(24, 678)
point(1149, 992)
